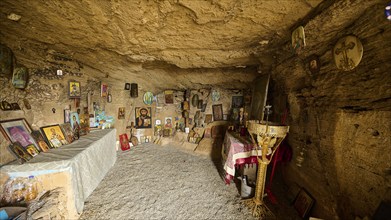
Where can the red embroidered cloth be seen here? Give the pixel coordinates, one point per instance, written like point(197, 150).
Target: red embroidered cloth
point(236, 151)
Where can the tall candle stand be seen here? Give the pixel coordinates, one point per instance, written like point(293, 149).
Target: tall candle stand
point(267, 136)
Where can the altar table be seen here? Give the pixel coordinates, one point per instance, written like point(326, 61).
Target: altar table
point(85, 162)
point(237, 151)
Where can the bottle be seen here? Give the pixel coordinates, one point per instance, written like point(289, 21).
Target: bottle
point(18, 189)
point(31, 189)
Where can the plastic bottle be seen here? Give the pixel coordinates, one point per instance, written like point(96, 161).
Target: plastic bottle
point(18, 189)
point(31, 189)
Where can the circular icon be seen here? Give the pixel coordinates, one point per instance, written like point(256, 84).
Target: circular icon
point(348, 53)
point(148, 98)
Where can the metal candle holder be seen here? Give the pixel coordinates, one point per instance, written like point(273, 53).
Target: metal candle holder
point(267, 136)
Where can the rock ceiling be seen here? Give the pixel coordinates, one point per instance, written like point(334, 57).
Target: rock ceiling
point(113, 37)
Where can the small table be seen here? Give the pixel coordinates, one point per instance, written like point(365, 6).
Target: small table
point(237, 151)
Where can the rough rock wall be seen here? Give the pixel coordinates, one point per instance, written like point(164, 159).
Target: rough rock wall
point(45, 90)
point(341, 121)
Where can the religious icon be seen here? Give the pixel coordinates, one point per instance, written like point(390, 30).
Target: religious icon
point(237, 101)
point(67, 115)
point(103, 89)
point(74, 89)
point(19, 78)
point(19, 152)
point(121, 113)
point(303, 203)
point(18, 130)
point(169, 96)
point(217, 111)
point(143, 117)
point(54, 135)
point(168, 123)
point(186, 105)
point(298, 39)
point(208, 118)
point(32, 150)
point(313, 63)
point(44, 147)
point(68, 133)
point(347, 53)
point(148, 98)
point(75, 122)
point(215, 96)
point(124, 141)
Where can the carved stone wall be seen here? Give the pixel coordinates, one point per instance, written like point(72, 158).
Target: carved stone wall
point(341, 121)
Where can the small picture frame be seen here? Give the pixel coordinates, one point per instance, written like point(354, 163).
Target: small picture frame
point(124, 142)
point(208, 118)
point(143, 117)
point(54, 135)
point(237, 101)
point(43, 145)
point(303, 203)
point(314, 64)
point(103, 89)
point(75, 121)
point(217, 111)
point(185, 105)
point(127, 86)
point(18, 130)
point(169, 96)
point(19, 152)
point(68, 133)
point(20, 77)
point(298, 39)
point(168, 122)
point(74, 89)
point(67, 115)
point(121, 113)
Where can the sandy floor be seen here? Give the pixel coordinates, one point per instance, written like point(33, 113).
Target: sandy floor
point(155, 182)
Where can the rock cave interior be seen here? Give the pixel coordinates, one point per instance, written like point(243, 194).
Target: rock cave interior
point(193, 74)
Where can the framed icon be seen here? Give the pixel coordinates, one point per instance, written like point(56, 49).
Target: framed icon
point(54, 135)
point(143, 117)
point(303, 203)
point(103, 89)
point(18, 130)
point(217, 111)
point(127, 86)
point(74, 89)
point(313, 64)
